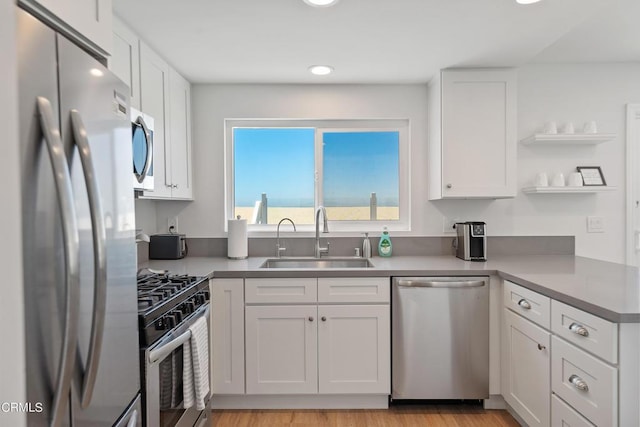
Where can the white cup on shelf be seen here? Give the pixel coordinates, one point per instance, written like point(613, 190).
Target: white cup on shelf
point(568, 128)
point(590, 127)
point(550, 128)
point(558, 180)
point(575, 179)
point(541, 180)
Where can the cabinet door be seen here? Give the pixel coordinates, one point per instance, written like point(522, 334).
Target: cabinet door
point(180, 116)
point(227, 336)
point(154, 97)
point(281, 349)
point(526, 382)
point(478, 133)
point(354, 345)
point(124, 61)
point(88, 22)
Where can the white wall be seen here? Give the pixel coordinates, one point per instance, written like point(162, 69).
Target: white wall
point(545, 92)
point(12, 368)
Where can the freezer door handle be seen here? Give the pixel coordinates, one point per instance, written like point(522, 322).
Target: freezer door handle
point(71, 242)
point(99, 258)
point(422, 283)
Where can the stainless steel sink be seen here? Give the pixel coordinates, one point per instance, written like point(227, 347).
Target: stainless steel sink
point(317, 263)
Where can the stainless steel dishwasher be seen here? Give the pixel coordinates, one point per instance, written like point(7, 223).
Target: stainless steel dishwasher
point(440, 338)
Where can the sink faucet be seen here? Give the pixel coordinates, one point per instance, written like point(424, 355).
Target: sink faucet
point(325, 229)
point(279, 249)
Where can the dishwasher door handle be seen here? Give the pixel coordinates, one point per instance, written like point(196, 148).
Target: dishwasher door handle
point(417, 283)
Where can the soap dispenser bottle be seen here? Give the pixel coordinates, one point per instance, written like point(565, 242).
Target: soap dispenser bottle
point(384, 247)
point(366, 246)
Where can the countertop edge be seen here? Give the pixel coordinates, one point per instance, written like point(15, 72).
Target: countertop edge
point(250, 269)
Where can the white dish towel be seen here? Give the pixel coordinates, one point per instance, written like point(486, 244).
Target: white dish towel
point(196, 365)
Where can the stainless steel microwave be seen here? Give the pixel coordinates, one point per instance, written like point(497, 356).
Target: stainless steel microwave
point(142, 140)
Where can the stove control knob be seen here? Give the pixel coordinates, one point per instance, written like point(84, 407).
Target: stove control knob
point(192, 306)
point(206, 295)
point(170, 321)
point(177, 315)
point(160, 324)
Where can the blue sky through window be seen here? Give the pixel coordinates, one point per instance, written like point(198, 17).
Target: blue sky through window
point(280, 163)
point(357, 164)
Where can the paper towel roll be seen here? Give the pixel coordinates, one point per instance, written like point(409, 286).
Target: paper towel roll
point(237, 246)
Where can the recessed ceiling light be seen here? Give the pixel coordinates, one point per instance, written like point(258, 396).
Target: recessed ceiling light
point(527, 1)
point(321, 3)
point(321, 70)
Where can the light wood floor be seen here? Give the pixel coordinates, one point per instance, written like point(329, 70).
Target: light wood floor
point(396, 416)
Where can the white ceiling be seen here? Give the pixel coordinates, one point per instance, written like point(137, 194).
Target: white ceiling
point(377, 41)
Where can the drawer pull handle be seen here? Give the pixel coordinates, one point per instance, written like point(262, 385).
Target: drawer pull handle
point(541, 347)
point(310, 318)
point(524, 304)
point(324, 319)
point(578, 383)
point(579, 329)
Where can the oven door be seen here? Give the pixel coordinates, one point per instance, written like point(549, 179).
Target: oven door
point(142, 145)
point(163, 378)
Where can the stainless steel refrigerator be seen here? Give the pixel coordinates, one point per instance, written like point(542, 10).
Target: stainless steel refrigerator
point(78, 234)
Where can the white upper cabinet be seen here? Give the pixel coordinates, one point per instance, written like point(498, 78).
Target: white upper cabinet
point(179, 164)
point(161, 92)
point(124, 61)
point(154, 96)
point(88, 22)
point(472, 135)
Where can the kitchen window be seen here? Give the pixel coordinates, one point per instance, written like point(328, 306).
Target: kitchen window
point(357, 169)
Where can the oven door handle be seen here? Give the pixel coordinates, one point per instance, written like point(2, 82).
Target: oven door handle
point(164, 350)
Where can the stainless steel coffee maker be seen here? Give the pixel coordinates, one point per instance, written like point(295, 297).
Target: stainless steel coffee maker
point(471, 243)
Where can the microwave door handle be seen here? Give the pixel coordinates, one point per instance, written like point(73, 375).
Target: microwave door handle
point(149, 141)
point(99, 258)
point(70, 238)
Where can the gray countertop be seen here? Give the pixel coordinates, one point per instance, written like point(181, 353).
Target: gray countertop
point(605, 289)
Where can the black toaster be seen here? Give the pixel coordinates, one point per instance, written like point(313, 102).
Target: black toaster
point(167, 246)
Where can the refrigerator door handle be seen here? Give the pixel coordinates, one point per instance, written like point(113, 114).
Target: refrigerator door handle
point(149, 141)
point(99, 258)
point(71, 242)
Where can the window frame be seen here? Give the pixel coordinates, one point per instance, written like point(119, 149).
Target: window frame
point(402, 126)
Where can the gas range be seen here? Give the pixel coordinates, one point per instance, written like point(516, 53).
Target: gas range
point(164, 300)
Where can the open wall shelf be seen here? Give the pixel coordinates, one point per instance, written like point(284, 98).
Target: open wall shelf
point(567, 190)
point(568, 139)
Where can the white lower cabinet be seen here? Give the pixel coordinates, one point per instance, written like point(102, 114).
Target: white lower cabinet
point(297, 344)
point(526, 382)
point(563, 415)
point(585, 370)
point(587, 384)
point(227, 336)
point(353, 349)
point(281, 349)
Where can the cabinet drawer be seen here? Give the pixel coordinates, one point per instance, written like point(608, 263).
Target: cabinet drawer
point(584, 382)
point(528, 304)
point(587, 331)
point(563, 415)
point(291, 290)
point(354, 289)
